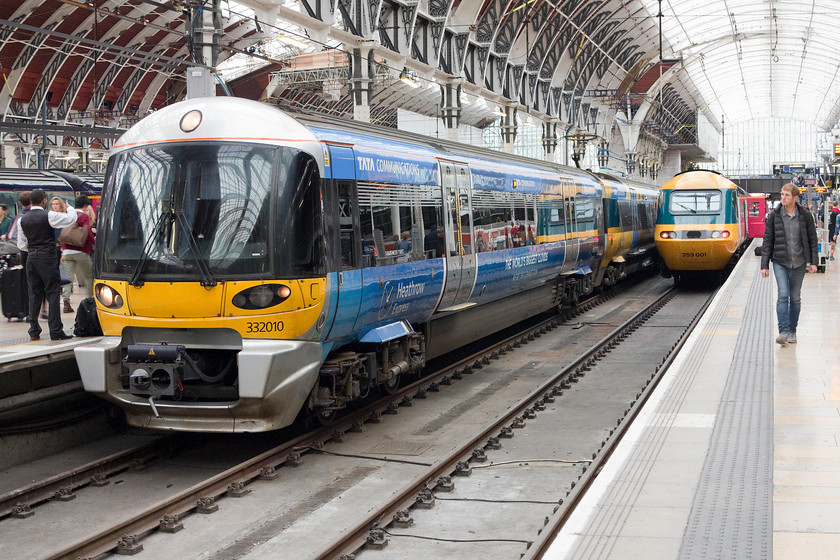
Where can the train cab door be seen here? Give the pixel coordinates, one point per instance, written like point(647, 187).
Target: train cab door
point(348, 292)
point(459, 252)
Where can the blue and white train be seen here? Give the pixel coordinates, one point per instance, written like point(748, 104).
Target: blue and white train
point(253, 265)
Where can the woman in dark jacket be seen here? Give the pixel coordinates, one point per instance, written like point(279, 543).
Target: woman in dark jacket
point(790, 241)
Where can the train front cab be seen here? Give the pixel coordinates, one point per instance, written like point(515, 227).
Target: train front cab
point(205, 277)
point(697, 229)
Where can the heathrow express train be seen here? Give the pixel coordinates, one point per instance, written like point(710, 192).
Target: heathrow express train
point(701, 225)
point(251, 265)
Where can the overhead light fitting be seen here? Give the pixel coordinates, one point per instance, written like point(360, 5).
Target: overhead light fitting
point(498, 111)
point(408, 78)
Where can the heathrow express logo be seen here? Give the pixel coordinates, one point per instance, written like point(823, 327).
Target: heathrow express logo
point(389, 303)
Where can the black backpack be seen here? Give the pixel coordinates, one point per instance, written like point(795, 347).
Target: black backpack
point(87, 321)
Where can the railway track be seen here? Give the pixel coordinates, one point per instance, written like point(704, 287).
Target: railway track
point(167, 515)
point(376, 530)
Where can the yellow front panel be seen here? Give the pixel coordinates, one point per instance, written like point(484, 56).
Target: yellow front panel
point(175, 299)
point(187, 305)
point(696, 254)
point(291, 324)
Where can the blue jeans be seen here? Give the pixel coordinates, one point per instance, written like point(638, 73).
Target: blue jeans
point(789, 282)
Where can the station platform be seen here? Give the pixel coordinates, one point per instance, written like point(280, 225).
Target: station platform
point(27, 366)
point(737, 452)
point(14, 335)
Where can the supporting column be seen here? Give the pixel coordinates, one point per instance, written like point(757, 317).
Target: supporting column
point(603, 154)
point(549, 142)
point(508, 128)
point(450, 108)
point(205, 28)
point(362, 73)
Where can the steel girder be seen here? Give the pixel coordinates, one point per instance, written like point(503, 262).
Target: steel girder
point(566, 60)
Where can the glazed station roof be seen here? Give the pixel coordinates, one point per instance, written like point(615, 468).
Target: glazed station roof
point(589, 65)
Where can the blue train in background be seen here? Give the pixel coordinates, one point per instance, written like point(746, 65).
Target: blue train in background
point(252, 265)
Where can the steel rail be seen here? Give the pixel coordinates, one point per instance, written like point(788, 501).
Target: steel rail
point(18, 503)
point(556, 521)
point(357, 536)
point(125, 536)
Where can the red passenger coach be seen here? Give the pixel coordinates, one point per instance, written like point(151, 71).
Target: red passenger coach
point(756, 212)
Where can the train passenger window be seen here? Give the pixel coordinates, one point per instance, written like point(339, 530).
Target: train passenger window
point(694, 202)
point(399, 223)
point(585, 215)
point(503, 220)
point(492, 215)
point(625, 212)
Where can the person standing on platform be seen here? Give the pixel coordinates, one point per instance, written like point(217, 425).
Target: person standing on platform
point(832, 225)
point(25, 204)
point(76, 259)
point(790, 241)
point(5, 220)
point(42, 272)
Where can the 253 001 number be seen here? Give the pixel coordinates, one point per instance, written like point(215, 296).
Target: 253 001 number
point(263, 326)
point(693, 255)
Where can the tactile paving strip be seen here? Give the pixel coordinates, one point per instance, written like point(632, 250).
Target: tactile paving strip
point(600, 538)
point(732, 512)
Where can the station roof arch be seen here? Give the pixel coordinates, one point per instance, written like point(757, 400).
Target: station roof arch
point(103, 64)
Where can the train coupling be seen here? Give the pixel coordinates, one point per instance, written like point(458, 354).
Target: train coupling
point(156, 370)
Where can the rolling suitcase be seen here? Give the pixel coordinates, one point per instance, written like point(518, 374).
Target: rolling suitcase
point(13, 293)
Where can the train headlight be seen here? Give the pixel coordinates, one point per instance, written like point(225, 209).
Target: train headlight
point(262, 296)
point(668, 235)
point(108, 296)
point(191, 120)
point(715, 234)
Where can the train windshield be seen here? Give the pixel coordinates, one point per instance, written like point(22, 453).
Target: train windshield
point(188, 211)
point(695, 202)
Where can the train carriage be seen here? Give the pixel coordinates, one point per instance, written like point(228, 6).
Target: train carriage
point(251, 267)
point(630, 217)
point(63, 184)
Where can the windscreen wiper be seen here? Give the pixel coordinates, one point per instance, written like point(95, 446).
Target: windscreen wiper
point(692, 210)
point(147, 248)
point(207, 278)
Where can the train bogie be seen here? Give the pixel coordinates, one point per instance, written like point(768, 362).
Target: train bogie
point(251, 268)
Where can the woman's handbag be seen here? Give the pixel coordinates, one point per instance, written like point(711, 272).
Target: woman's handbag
point(74, 234)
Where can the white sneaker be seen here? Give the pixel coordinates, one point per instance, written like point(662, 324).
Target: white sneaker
point(791, 338)
point(782, 338)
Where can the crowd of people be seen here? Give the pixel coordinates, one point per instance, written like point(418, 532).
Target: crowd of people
point(51, 241)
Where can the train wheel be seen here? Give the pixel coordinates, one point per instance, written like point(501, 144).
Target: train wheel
point(323, 417)
point(390, 387)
